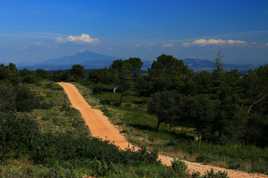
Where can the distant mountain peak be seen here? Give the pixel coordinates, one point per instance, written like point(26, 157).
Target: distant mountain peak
point(86, 58)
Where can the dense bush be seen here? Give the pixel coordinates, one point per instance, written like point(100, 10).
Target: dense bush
point(66, 147)
point(227, 108)
point(26, 100)
point(9, 73)
point(164, 106)
point(211, 174)
point(179, 167)
point(17, 133)
point(7, 97)
point(19, 98)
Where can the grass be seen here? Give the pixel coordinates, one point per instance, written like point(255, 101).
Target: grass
point(58, 118)
point(139, 127)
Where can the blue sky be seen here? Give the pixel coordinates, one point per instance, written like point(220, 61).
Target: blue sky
point(35, 30)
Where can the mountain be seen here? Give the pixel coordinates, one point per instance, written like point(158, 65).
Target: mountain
point(89, 60)
point(203, 64)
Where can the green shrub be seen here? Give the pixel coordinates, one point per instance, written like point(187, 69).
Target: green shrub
point(233, 164)
point(142, 170)
point(205, 158)
point(26, 100)
point(101, 168)
point(68, 147)
point(35, 171)
point(7, 97)
point(179, 168)
point(212, 174)
point(17, 133)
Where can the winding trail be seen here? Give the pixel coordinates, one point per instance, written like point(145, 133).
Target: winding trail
point(100, 127)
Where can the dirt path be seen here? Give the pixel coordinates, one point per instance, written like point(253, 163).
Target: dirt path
point(102, 128)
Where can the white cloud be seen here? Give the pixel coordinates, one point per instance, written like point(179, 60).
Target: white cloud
point(83, 38)
point(214, 42)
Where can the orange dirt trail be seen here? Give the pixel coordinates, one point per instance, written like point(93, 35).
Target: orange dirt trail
point(100, 127)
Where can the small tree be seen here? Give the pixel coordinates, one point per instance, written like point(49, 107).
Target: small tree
point(135, 65)
point(77, 72)
point(168, 73)
point(125, 73)
point(256, 89)
point(9, 72)
point(104, 76)
point(164, 106)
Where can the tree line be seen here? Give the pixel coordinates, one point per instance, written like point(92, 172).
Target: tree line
point(222, 106)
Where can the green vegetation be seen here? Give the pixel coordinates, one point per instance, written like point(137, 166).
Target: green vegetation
point(181, 142)
point(217, 117)
point(43, 137)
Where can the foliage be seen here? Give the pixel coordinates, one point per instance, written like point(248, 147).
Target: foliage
point(9, 72)
point(54, 142)
point(164, 105)
point(180, 140)
point(17, 132)
point(179, 167)
point(77, 72)
point(168, 73)
point(222, 111)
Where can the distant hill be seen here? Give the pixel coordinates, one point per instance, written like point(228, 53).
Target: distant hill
point(203, 64)
point(89, 60)
point(92, 60)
